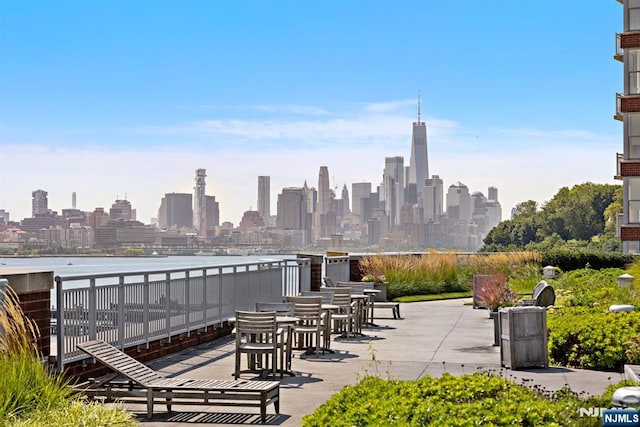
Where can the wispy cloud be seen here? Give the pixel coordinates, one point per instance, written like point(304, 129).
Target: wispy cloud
point(389, 106)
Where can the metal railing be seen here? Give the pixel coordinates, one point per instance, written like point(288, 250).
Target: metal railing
point(135, 308)
point(619, 52)
point(337, 268)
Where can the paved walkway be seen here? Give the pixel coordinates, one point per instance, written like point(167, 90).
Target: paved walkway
point(431, 338)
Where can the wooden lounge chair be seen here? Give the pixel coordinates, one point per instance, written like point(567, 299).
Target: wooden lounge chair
point(143, 382)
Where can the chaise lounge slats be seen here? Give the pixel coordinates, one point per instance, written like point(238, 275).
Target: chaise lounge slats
point(157, 388)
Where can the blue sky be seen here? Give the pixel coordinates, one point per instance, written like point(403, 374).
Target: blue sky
point(130, 97)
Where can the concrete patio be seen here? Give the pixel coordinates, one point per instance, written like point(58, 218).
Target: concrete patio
point(431, 338)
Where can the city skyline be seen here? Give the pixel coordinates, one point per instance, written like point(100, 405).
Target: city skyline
point(118, 105)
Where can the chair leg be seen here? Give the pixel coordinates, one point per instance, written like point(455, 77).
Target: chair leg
point(150, 403)
point(237, 371)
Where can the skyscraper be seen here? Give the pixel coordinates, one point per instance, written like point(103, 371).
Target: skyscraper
point(359, 191)
point(199, 202)
point(264, 197)
point(345, 200)
point(459, 206)
point(176, 211)
point(419, 162)
point(432, 198)
point(393, 188)
point(324, 191)
point(39, 203)
point(292, 209)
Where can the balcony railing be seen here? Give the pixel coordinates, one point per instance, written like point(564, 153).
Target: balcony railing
point(135, 308)
point(618, 114)
point(619, 53)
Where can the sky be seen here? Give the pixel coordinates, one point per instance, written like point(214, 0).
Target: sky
point(126, 99)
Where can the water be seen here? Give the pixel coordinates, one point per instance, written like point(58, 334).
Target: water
point(78, 266)
point(72, 266)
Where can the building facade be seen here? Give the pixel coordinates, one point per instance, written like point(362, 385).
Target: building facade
point(264, 197)
point(39, 203)
point(628, 111)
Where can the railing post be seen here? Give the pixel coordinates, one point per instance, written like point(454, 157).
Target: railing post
point(145, 309)
point(187, 301)
point(204, 299)
point(60, 326)
point(92, 310)
point(167, 302)
point(121, 313)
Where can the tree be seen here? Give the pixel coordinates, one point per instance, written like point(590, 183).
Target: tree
point(580, 214)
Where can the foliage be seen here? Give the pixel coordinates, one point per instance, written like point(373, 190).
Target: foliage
point(590, 338)
point(574, 258)
point(494, 293)
point(582, 216)
point(79, 413)
point(438, 272)
point(478, 399)
point(29, 393)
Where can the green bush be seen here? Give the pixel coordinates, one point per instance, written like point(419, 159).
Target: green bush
point(590, 288)
point(568, 259)
point(478, 399)
point(590, 338)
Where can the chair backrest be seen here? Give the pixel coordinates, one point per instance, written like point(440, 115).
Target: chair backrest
point(356, 289)
point(281, 308)
point(255, 322)
point(120, 362)
point(341, 296)
point(306, 308)
point(328, 282)
point(327, 296)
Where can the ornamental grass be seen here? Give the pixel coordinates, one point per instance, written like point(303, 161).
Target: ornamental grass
point(438, 272)
point(30, 393)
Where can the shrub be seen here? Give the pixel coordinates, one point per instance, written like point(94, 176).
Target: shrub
point(478, 399)
point(568, 259)
point(590, 338)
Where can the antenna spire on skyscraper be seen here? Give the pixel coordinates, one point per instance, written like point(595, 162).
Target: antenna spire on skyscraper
point(418, 107)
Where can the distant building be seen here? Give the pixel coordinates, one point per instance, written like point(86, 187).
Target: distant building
point(292, 209)
point(393, 189)
point(39, 203)
point(264, 197)
point(121, 210)
point(251, 220)
point(432, 195)
point(359, 191)
point(212, 212)
point(459, 202)
point(199, 206)
point(419, 162)
point(176, 211)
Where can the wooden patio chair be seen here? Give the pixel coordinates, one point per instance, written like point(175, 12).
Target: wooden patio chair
point(257, 334)
point(311, 324)
point(144, 383)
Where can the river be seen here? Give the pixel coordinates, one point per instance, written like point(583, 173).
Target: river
point(68, 266)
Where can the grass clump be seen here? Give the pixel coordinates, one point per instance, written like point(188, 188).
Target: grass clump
point(31, 394)
point(439, 272)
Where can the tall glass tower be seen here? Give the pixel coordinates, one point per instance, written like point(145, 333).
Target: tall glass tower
point(419, 162)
